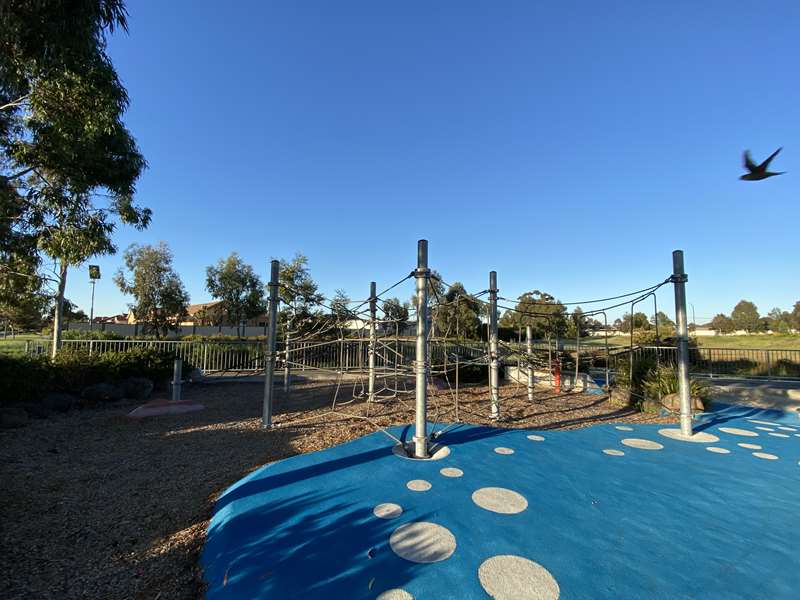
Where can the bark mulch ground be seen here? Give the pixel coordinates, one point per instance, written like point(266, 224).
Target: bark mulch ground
point(97, 505)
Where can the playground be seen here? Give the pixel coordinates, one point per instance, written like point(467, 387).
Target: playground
point(371, 468)
point(612, 511)
point(98, 505)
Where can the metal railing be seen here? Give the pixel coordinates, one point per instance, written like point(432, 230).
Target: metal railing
point(730, 362)
point(242, 356)
point(353, 354)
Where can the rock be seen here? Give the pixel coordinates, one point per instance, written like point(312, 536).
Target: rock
point(651, 406)
point(102, 392)
point(59, 402)
point(620, 397)
point(12, 417)
point(672, 402)
point(137, 388)
point(35, 410)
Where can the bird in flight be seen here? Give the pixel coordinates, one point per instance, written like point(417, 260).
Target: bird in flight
point(757, 172)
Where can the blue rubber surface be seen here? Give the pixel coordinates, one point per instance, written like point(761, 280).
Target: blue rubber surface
point(681, 522)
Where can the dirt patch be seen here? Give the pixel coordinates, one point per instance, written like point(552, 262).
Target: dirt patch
point(96, 505)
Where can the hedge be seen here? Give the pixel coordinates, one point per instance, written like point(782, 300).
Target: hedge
point(28, 379)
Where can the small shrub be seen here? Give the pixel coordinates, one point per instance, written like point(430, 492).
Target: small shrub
point(79, 334)
point(26, 379)
point(663, 380)
point(23, 378)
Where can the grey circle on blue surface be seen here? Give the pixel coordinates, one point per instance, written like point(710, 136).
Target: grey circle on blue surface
point(509, 577)
point(422, 542)
point(500, 500)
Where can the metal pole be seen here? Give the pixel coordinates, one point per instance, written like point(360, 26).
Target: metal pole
point(494, 382)
point(529, 342)
point(458, 353)
point(577, 350)
point(286, 367)
point(176, 380)
point(608, 357)
point(421, 363)
point(679, 280)
point(91, 310)
point(372, 309)
point(630, 355)
point(269, 351)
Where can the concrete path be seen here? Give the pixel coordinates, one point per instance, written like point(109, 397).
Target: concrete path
point(781, 395)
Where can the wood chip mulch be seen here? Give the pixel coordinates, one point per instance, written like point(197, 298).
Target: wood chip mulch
point(96, 505)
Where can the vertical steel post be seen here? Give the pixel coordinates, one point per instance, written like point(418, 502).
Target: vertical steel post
point(494, 376)
point(372, 310)
point(176, 379)
point(91, 310)
point(608, 357)
point(679, 279)
point(529, 343)
point(269, 350)
point(421, 363)
point(286, 367)
point(577, 351)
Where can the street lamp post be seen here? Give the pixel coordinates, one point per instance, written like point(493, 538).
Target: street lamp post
point(94, 275)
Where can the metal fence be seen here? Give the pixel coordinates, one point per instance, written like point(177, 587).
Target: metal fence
point(353, 354)
point(346, 355)
point(731, 362)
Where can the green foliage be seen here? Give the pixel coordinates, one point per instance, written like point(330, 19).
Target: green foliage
point(723, 324)
point(26, 379)
point(640, 321)
point(79, 334)
point(75, 369)
point(779, 321)
point(633, 381)
point(745, 316)
point(340, 306)
point(395, 311)
point(23, 378)
point(795, 314)
point(299, 295)
point(61, 132)
point(663, 380)
point(457, 316)
point(160, 298)
point(237, 287)
point(541, 311)
point(577, 324)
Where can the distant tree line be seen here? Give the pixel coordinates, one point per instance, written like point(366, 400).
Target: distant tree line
point(745, 317)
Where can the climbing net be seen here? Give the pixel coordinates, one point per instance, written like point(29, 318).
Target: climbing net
point(364, 348)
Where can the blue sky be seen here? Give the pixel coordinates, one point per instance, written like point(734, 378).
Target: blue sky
point(568, 146)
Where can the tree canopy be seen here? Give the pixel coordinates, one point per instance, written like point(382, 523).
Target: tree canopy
point(238, 288)
point(745, 316)
point(458, 313)
point(540, 310)
point(722, 324)
point(160, 300)
point(69, 165)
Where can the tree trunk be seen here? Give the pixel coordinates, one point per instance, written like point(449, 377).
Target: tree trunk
point(57, 316)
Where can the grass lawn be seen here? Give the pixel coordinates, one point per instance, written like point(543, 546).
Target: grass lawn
point(763, 342)
point(16, 345)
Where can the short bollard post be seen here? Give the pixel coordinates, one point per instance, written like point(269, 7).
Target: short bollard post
point(176, 380)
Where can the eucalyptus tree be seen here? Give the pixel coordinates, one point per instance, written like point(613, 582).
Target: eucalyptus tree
point(238, 288)
point(64, 150)
point(160, 300)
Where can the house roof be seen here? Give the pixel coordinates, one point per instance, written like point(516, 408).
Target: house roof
point(193, 309)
